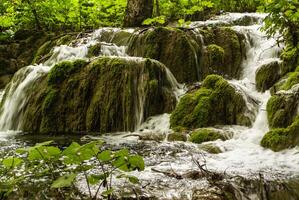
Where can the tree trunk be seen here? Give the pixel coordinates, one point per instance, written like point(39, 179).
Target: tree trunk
point(137, 11)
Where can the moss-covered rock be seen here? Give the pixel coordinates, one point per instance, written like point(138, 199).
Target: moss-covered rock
point(229, 60)
point(183, 51)
point(267, 75)
point(26, 48)
point(215, 103)
point(210, 148)
point(282, 138)
point(177, 136)
point(173, 47)
point(281, 109)
point(105, 95)
point(205, 135)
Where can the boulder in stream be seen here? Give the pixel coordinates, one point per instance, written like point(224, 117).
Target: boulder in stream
point(267, 75)
point(215, 103)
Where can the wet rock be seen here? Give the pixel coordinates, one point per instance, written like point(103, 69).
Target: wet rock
point(177, 136)
point(211, 148)
point(205, 135)
point(267, 75)
point(105, 95)
point(25, 48)
point(215, 103)
point(282, 138)
point(282, 108)
point(192, 55)
point(225, 51)
point(151, 136)
point(173, 47)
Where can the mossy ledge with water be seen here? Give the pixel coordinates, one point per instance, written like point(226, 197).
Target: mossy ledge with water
point(104, 95)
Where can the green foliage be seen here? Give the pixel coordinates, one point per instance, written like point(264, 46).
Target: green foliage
point(283, 18)
point(156, 21)
point(48, 164)
point(61, 14)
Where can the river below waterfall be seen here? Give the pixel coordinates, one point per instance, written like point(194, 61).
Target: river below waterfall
point(170, 165)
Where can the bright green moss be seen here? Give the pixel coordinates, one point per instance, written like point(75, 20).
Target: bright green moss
point(205, 135)
point(282, 138)
point(63, 70)
point(276, 139)
point(216, 55)
point(216, 102)
point(281, 110)
point(293, 79)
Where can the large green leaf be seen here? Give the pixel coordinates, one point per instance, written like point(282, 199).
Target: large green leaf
point(64, 181)
point(12, 162)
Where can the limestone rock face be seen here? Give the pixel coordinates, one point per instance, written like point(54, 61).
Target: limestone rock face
point(173, 47)
point(215, 103)
point(105, 95)
point(192, 55)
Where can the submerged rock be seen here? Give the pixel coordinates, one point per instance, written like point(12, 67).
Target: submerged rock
point(267, 75)
point(215, 103)
point(105, 95)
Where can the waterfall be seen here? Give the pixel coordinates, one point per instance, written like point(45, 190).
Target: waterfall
point(18, 90)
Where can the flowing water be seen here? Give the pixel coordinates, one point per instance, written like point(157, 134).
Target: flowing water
point(241, 155)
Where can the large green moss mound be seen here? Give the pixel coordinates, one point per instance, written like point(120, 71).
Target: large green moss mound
point(105, 95)
point(282, 138)
point(215, 103)
point(173, 47)
point(205, 135)
point(281, 109)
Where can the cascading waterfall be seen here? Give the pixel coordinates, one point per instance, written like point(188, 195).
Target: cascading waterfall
point(242, 154)
point(16, 93)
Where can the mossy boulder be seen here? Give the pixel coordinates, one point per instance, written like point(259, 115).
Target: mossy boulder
point(267, 75)
point(104, 95)
point(227, 48)
point(210, 148)
point(215, 103)
point(282, 109)
point(173, 47)
point(205, 135)
point(282, 138)
point(177, 136)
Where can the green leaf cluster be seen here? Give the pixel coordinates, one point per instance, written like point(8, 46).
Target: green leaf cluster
point(49, 164)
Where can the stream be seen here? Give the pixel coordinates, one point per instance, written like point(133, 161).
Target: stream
point(243, 161)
